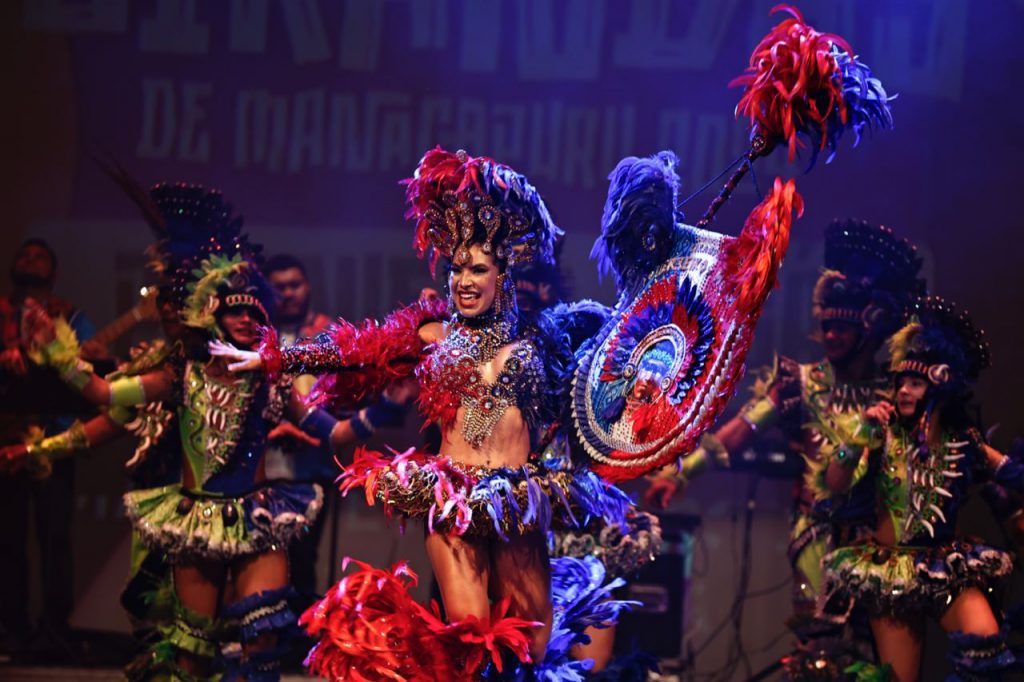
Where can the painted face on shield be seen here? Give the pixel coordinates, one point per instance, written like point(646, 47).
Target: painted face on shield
point(910, 392)
point(474, 282)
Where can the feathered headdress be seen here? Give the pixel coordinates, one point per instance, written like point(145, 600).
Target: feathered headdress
point(209, 261)
point(458, 200)
point(639, 219)
point(205, 260)
point(870, 277)
point(940, 343)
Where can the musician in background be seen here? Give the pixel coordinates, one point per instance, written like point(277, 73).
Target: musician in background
point(295, 318)
point(32, 398)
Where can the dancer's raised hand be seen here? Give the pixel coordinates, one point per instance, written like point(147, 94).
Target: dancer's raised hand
point(238, 360)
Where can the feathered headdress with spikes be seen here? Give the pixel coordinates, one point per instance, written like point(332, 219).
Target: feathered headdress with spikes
point(870, 277)
point(458, 200)
point(204, 260)
point(940, 343)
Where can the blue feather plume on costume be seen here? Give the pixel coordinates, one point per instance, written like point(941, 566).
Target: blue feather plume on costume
point(639, 219)
point(580, 599)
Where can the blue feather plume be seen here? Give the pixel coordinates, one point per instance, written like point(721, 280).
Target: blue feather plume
point(640, 214)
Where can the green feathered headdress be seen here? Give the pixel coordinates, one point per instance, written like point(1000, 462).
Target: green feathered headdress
point(222, 282)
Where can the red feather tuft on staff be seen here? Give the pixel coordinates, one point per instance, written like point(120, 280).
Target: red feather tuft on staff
point(793, 83)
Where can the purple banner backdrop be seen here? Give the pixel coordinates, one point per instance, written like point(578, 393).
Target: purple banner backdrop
point(309, 112)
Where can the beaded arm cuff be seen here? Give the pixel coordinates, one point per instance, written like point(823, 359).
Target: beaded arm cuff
point(317, 357)
point(42, 452)
point(711, 454)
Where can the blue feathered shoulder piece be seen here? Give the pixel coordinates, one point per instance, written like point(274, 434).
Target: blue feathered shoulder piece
point(559, 333)
point(639, 219)
point(578, 321)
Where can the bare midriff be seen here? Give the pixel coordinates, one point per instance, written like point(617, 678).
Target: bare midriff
point(508, 445)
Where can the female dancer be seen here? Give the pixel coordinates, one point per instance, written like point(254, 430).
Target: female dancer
point(924, 457)
point(492, 382)
point(223, 519)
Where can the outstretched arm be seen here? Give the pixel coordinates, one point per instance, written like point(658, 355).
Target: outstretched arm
point(53, 343)
point(36, 454)
point(673, 479)
point(357, 362)
point(388, 411)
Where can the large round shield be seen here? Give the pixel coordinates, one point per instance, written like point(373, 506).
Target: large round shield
point(661, 370)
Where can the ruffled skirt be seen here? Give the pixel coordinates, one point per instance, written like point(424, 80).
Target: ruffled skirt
point(477, 501)
point(183, 523)
point(623, 548)
point(906, 580)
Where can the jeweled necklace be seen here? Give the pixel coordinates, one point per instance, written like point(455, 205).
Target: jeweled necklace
point(483, 336)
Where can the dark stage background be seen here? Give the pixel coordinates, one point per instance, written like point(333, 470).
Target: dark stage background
point(308, 113)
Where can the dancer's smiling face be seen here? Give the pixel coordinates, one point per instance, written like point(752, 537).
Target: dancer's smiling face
point(474, 282)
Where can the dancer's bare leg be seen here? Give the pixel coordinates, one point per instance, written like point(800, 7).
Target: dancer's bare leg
point(899, 645)
point(462, 571)
point(599, 649)
point(521, 572)
point(970, 612)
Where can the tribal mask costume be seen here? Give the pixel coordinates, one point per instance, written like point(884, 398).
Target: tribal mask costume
point(927, 462)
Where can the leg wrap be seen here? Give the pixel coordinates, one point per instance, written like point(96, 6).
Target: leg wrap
point(978, 657)
point(260, 614)
point(187, 633)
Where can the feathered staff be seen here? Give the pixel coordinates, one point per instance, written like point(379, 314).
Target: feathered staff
point(803, 84)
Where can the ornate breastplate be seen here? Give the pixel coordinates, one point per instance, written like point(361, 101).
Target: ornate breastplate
point(827, 399)
point(216, 412)
point(451, 378)
point(918, 486)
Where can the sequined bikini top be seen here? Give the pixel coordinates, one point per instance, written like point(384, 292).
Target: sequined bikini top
point(451, 378)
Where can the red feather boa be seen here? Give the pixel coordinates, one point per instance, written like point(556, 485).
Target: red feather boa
point(369, 628)
point(753, 259)
point(792, 83)
point(378, 353)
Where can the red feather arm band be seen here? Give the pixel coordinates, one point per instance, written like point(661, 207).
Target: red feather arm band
point(356, 361)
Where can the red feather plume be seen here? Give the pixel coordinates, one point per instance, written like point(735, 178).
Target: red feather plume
point(369, 628)
point(793, 83)
point(753, 259)
point(439, 171)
